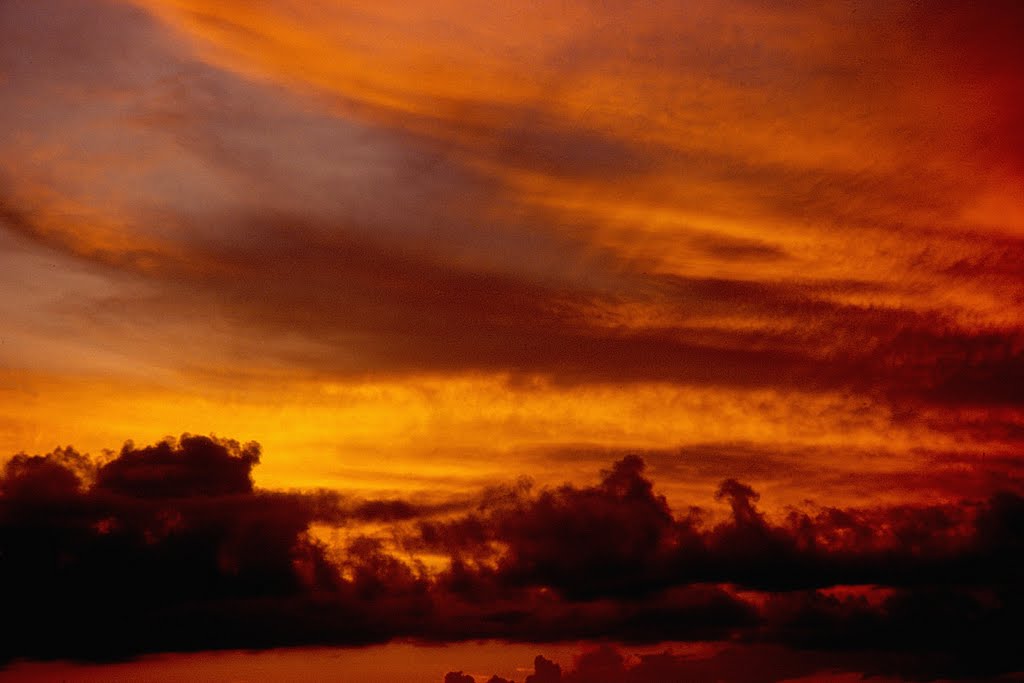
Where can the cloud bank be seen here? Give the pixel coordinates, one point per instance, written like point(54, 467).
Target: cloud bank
point(170, 548)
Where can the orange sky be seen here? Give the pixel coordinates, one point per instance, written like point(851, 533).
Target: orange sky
point(419, 249)
point(397, 664)
point(433, 234)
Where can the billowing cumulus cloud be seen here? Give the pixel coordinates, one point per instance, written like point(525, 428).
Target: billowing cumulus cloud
point(735, 663)
point(169, 547)
point(620, 539)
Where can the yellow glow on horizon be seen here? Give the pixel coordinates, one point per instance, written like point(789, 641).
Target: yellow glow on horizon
point(455, 435)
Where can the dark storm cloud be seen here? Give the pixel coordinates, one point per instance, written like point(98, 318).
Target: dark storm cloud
point(607, 664)
point(620, 539)
point(193, 467)
point(169, 548)
point(923, 632)
point(162, 531)
point(736, 663)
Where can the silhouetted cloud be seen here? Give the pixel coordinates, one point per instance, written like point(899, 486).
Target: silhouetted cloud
point(733, 663)
point(621, 539)
point(744, 663)
point(544, 671)
point(194, 466)
point(170, 547)
point(166, 530)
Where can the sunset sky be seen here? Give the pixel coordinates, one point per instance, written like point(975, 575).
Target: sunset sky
point(581, 329)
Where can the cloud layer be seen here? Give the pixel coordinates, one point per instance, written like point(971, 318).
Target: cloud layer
point(730, 200)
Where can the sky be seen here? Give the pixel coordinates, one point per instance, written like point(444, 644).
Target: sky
point(647, 337)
